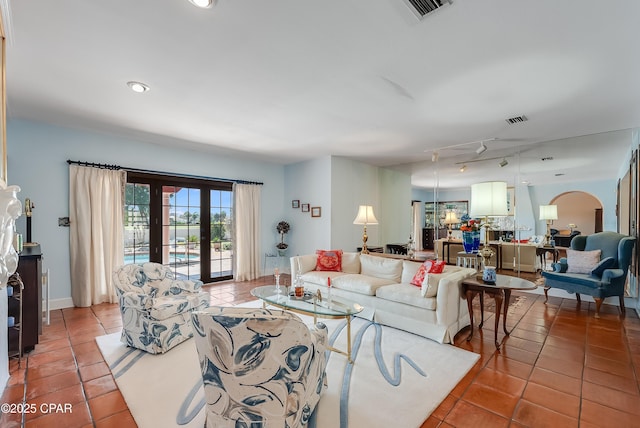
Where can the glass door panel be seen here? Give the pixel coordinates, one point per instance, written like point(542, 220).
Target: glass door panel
point(181, 231)
point(220, 233)
point(136, 223)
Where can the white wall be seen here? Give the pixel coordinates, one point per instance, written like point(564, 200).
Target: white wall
point(37, 155)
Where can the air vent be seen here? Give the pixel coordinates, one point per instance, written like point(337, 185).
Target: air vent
point(423, 7)
point(516, 119)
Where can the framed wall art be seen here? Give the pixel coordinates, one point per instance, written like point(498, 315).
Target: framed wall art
point(316, 211)
point(295, 203)
point(305, 208)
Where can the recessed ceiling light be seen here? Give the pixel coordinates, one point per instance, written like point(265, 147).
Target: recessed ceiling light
point(204, 4)
point(138, 87)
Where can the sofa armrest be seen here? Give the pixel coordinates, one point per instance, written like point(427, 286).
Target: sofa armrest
point(449, 296)
point(306, 263)
point(181, 285)
point(129, 299)
point(610, 274)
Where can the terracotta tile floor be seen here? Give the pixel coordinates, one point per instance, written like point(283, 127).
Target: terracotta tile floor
point(560, 367)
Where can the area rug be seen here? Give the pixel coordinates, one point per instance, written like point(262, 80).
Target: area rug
point(397, 379)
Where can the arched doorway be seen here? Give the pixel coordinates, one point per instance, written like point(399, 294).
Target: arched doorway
point(578, 211)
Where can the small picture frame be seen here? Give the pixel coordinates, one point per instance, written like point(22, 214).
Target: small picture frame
point(305, 208)
point(295, 203)
point(316, 211)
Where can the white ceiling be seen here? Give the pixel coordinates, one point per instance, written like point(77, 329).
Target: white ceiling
point(289, 80)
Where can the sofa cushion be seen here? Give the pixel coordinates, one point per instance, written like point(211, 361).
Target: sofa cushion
point(359, 283)
point(351, 262)
point(409, 269)
point(320, 277)
point(407, 294)
point(381, 267)
point(582, 261)
point(329, 260)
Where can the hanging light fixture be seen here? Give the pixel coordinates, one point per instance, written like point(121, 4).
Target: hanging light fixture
point(504, 162)
point(463, 168)
point(480, 150)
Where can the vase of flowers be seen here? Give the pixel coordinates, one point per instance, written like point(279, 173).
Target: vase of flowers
point(282, 228)
point(470, 235)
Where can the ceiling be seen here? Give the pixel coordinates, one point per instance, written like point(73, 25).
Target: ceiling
point(287, 80)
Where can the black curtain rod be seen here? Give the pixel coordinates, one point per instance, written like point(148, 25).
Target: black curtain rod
point(149, 171)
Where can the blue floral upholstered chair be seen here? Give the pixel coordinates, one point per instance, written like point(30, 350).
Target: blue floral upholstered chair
point(155, 307)
point(603, 276)
point(260, 367)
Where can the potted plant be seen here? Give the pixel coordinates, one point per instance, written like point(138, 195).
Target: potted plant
point(282, 228)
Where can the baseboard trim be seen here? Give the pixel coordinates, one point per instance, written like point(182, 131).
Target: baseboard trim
point(63, 303)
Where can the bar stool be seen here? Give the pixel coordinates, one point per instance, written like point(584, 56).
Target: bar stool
point(469, 260)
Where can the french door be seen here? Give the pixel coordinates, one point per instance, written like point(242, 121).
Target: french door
point(183, 223)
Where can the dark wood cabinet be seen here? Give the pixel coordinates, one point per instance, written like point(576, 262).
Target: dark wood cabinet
point(30, 270)
point(428, 237)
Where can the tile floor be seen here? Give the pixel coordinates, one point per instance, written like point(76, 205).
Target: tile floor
point(560, 367)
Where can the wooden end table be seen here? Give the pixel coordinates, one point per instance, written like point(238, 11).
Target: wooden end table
point(501, 293)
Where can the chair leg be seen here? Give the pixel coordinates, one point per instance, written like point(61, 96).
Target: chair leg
point(598, 304)
point(578, 298)
point(546, 295)
point(622, 309)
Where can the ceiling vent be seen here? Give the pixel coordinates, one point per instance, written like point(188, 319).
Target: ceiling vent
point(423, 7)
point(516, 119)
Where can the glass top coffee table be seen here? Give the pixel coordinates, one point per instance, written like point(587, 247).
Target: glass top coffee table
point(313, 304)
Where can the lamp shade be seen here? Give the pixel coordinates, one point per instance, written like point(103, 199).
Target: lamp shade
point(451, 218)
point(365, 215)
point(489, 199)
point(548, 212)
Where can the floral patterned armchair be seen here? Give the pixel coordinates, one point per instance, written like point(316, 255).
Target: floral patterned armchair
point(260, 367)
point(155, 307)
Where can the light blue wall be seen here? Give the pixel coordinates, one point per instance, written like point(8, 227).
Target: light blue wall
point(339, 186)
point(37, 155)
point(310, 183)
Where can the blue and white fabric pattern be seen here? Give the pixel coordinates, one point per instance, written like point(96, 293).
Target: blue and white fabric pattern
point(260, 367)
point(155, 307)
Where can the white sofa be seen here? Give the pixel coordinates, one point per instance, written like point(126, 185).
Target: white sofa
point(436, 310)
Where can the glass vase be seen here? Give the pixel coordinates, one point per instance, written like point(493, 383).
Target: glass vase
point(471, 241)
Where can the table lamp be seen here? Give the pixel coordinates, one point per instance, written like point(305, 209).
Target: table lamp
point(450, 218)
point(365, 216)
point(488, 199)
point(548, 213)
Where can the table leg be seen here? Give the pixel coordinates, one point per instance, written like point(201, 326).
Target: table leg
point(470, 295)
point(481, 309)
point(507, 298)
point(498, 298)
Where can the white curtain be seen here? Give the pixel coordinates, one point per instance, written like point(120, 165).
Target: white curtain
point(416, 224)
point(246, 231)
point(96, 211)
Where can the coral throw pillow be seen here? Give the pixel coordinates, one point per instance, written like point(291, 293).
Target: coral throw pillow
point(419, 276)
point(430, 266)
point(329, 260)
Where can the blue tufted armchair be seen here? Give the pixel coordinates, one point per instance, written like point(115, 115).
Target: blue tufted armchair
point(605, 279)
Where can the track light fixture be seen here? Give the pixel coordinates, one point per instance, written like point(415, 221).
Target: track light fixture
point(480, 150)
point(463, 168)
point(504, 162)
